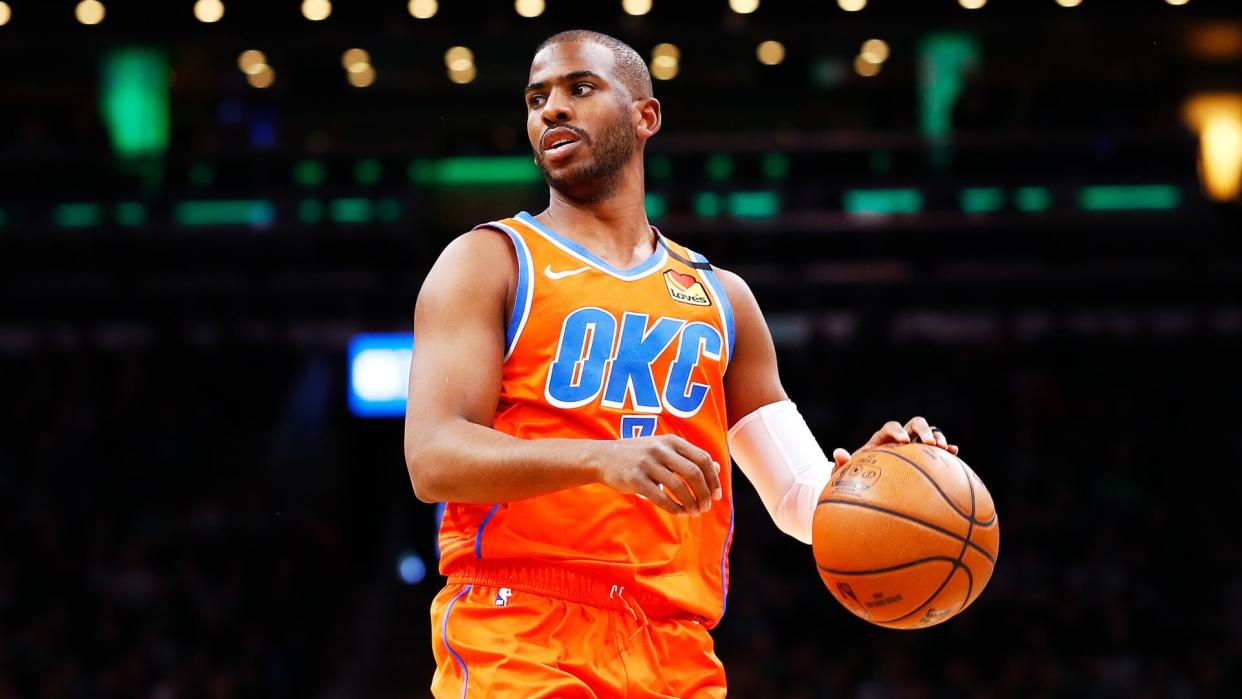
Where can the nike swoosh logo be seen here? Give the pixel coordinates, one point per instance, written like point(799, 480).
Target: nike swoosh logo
point(561, 275)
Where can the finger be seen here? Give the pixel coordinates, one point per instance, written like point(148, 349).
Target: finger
point(953, 449)
point(694, 477)
point(705, 463)
point(918, 426)
point(656, 494)
point(891, 432)
point(676, 486)
point(941, 440)
point(840, 456)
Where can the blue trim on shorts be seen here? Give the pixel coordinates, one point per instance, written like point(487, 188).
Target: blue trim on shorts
point(724, 563)
point(478, 538)
point(444, 635)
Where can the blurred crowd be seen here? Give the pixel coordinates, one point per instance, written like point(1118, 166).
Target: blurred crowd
point(183, 523)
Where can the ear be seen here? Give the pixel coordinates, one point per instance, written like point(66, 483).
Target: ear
point(649, 120)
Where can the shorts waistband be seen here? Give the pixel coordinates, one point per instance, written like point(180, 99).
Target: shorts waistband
point(569, 585)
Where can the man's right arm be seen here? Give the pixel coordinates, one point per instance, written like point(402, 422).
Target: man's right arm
point(451, 451)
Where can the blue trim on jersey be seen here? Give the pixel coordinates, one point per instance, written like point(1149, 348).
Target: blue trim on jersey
point(657, 258)
point(724, 561)
point(478, 538)
point(721, 296)
point(523, 294)
point(444, 635)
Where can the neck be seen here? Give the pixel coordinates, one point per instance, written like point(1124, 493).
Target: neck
point(615, 227)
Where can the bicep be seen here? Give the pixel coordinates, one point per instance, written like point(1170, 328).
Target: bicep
point(752, 379)
point(459, 335)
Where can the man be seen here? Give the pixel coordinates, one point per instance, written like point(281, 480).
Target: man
point(578, 387)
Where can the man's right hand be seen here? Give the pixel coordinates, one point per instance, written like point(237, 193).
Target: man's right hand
point(665, 469)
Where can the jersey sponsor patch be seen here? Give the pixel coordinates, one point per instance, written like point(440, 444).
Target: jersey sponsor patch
point(685, 288)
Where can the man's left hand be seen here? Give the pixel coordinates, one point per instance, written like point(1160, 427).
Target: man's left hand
point(894, 432)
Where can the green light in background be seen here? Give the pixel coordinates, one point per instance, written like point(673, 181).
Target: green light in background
point(500, 170)
point(1130, 197)
point(883, 201)
point(707, 204)
point(77, 215)
point(655, 204)
point(201, 175)
point(131, 214)
point(1032, 199)
point(754, 204)
point(234, 212)
point(943, 61)
point(309, 173)
point(719, 167)
point(775, 166)
point(310, 211)
point(660, 167)
point(368, 171)
point(356, 210)
point(133, 101)
point(978, 200)
point(387, 210)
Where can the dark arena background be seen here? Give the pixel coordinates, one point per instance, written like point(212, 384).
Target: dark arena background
point(1019, 218)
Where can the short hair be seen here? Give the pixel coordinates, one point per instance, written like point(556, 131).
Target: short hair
point(629, 66)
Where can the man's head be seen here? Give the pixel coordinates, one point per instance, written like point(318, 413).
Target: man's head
point(589, 111)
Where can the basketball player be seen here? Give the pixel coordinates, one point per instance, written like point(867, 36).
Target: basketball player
point(579, 384)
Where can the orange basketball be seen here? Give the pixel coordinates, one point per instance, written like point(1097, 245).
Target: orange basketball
point(905, 535)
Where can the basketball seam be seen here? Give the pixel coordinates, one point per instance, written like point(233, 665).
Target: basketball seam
point(936, 485)
point(911, 518)
point(889, 569)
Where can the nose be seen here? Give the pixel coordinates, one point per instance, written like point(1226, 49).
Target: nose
point(558, 108)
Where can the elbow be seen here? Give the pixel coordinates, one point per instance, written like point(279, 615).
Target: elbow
point(420, 466)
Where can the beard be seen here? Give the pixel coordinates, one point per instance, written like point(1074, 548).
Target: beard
point(596, 179)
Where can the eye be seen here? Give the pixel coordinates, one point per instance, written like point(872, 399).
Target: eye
point(535, 100)
point(581, 89)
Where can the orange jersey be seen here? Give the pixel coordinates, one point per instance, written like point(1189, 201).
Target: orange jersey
point(594, 352)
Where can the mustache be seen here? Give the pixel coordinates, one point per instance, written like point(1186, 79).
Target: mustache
point(581, 134)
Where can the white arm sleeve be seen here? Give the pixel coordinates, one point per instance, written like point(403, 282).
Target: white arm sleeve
point(776, 450)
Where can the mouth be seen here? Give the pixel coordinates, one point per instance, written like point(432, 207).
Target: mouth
point(559, 139)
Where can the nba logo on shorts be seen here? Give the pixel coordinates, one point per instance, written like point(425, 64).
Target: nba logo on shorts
point(502, 597)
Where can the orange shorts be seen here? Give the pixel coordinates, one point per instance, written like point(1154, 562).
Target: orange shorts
point(530, 633)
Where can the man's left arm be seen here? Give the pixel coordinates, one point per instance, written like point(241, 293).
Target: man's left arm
point(769, 439)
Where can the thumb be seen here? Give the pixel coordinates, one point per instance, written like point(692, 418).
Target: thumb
point(840, 456)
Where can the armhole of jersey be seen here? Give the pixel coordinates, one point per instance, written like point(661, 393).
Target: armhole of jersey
point(524, 292)
point(722, 300)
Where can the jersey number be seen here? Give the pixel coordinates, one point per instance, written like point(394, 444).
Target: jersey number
point(634, 426)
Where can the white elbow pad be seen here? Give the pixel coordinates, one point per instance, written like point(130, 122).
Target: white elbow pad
point(776, 450)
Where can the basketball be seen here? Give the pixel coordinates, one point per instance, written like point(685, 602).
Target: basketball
point(905, 536)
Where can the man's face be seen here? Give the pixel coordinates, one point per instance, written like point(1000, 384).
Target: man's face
point(580, 120)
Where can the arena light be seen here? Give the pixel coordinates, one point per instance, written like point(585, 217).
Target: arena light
point(465, 75)
point(865, 68)
point(982, 200)
point(874, 51)
point(743, 7)
point(852, 5)
point(365, 77)
point(316, 10)
point(368, 171)
point(972, 4)
point(77, 215)
point(458, 58)
point(1130, 197)
point(665, 61)
point(1177, 3)
point(1032, 199)
point(753, 204)
point(134, 100)
point(262, 78)
point(770, 53)
point(309, 173)
point(1069, 3)
point(6, 13)
point(636, 7)
point(89, 12)
point(423, 9)
point(208, 11)
point(355, 60)
point(529, 8)
point(655, 204)
point(473, 171)
point(252, 61)
point(882, 201)
point(410, 568)
point(1217, 117)
point(235, 212)
point(379, 373)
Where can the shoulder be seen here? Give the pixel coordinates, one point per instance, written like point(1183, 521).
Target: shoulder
point(738, 291)
point(480, 262)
